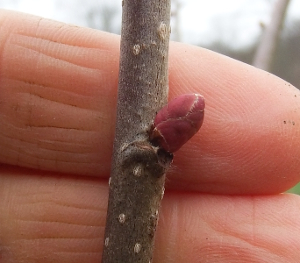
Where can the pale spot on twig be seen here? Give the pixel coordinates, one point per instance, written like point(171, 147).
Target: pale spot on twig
point(138, 170)
point(162, 193)
point(122, 218)
point(137, 248)
point(136, 49)
point(106, 241)
point(163, 31)
point(124, 147)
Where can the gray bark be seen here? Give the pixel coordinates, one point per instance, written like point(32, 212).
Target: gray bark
point(138, 168)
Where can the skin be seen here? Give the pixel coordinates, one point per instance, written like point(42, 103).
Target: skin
point(223, 201)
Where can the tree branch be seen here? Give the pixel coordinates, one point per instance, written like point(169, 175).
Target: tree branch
point(267, 47)
point(138, 167)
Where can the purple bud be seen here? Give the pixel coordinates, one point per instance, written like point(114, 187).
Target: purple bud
point(177, 122)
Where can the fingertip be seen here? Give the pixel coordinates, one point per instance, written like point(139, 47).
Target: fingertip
point(248, 140)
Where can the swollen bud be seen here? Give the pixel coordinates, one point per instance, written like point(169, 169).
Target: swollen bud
point(177, 122)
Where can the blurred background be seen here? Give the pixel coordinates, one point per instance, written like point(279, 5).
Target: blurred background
point(235, 28)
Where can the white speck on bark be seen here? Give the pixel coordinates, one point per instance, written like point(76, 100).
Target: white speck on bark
point(106, 241)
point(124, 146)
point(122, 218)
point(138, 170)
point(136, 49)
point(163, 31)
point(162, 192)
point(109, 181)
point(137, 248)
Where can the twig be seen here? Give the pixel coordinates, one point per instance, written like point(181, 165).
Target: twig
point(138, 168)
point(267, 47)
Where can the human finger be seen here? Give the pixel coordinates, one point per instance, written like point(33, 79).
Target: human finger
point(58, 98)
point(45, 217)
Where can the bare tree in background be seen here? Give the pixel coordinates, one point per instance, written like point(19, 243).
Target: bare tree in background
point(287, 60)
point(267, 47)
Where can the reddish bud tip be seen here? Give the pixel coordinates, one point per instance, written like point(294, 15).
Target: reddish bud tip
point(178, 122)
